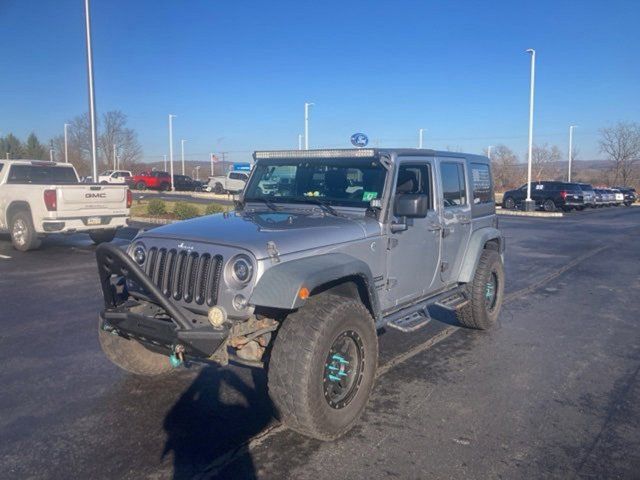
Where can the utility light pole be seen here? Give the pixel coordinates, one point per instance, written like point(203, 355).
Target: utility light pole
point(165, 162)
point(528, 203)
point(489, 151)
point(211, 160)
point(92, 100)
point(171, 149)
point(306, 124)
point(66, 149)
point(571, 127)
point(115, 165)
point(182, 148)
point(299, 141)
point(420, 137)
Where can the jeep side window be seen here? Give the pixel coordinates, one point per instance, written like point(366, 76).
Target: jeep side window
point(415, 179)
point(453, 184)
point(481, 180)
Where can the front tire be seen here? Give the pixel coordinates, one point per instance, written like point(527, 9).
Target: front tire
point(486, 291)
point(102, 236)
point(323, 366)
point(218, 189)
point(509, 203)
point(23, 234)
point(549, 205)
point(141, 186)
point(131, 356)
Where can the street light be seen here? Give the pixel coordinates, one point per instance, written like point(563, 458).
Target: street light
point(164, 157)
point(489, 151)
point(115, 153)
point(306, 124)
point(529, 205)
point(171, 117)
point(182, 148)
point(66, 149)
point(420, 136)
point(299, 141)
point(571, 127)
point(92, 100)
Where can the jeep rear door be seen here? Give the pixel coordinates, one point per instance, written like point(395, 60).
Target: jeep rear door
point(455, 215)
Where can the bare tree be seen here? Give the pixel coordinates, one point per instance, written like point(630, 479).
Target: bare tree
point(506, 172)
point(544, 162)
point(621, 143)
point(114, 132)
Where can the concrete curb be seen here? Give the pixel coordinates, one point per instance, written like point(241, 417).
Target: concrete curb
point(153, 220)
point(518, 213)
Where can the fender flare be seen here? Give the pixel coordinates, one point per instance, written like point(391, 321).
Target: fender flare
point(278, 287)
point(476, 244)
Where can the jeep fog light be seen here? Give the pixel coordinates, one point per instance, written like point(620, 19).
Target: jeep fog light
point(216, 316)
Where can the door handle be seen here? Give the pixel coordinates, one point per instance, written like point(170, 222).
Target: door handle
point(434, 227)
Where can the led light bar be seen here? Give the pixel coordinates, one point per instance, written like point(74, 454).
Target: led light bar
point(331, 153)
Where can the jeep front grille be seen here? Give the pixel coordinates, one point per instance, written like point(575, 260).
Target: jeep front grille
point(184, 275)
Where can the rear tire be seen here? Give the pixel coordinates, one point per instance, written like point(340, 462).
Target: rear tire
point(218, 189)
point(486, 291)
point(141, 186)
point(549, 205)
point(131, 356)
point(509, 203)
point(102, 236)
point(323, 366)
point(23, 234)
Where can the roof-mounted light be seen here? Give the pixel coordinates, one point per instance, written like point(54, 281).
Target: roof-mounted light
point(331, 153)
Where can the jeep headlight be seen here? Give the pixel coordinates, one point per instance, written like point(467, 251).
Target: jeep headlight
point(139, 254)
point(241, 269)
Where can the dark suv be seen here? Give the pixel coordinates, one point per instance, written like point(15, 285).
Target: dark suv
point(548, 195)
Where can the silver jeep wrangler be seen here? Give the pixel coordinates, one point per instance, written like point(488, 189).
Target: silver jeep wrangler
point(325, 248)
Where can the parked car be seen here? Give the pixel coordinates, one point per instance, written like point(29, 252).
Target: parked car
point(299, 282)
point(588, 195)
point(600, 196)
point(118, 177)
point(40, 198)
point(184, 183)
point(549, 195)
point(153, 180)
point(232, 182)
point(618, 197)
point(629, 195)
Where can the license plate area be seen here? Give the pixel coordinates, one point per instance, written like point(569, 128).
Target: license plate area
point(94, 221)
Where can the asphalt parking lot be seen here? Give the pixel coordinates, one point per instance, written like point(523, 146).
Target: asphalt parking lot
point(553, 391)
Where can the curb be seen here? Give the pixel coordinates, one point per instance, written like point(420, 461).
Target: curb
point(517, 213)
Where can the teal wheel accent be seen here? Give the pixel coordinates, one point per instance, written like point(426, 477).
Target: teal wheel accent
point(491, 291)
point(343, 369)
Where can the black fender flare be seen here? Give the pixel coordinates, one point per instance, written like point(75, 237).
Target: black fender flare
point(280, 285)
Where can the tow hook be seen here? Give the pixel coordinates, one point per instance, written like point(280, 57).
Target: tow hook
point(177, 357)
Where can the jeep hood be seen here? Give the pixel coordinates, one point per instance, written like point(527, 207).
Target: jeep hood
point(291, 232)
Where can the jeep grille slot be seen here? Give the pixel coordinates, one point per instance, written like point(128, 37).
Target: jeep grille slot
point(184, 275)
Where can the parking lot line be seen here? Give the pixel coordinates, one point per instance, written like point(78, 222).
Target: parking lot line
point(5, 257)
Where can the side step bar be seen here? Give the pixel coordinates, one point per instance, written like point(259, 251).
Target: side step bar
point(416, 316)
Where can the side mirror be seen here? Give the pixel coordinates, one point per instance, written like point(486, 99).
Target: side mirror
point(411, 205)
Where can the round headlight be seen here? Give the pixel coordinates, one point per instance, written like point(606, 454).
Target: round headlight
point(242, 269)
point(139, 254)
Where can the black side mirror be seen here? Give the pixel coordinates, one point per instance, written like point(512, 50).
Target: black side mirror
point(412, 205)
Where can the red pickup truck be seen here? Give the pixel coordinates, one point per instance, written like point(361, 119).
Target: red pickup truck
point(153, 180)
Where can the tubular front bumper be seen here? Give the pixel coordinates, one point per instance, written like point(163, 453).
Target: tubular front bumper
point(159, 324)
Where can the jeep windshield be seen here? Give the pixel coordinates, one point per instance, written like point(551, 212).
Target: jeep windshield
point(348, 182)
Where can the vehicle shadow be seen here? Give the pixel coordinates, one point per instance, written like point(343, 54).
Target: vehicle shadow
point(444, 315)
point(213, 419)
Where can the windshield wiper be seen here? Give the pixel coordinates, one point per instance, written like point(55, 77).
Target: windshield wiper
point(268, 203)
point(323, 205)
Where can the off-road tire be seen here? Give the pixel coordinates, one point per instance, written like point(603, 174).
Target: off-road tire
point(131, 356)
point(23, 234)
point(141, 186)
point(217, 188)
point(476, 313)
point(102, 236)
point(297, 368)
point(509, 203)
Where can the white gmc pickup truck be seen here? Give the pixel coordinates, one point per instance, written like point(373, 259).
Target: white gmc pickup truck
point(38, 198)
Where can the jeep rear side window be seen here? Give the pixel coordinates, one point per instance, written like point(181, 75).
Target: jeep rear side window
point(453, 184)
point(415, 179)
point(481, 178)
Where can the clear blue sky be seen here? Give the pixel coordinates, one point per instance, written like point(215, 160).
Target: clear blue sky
point(238, 72)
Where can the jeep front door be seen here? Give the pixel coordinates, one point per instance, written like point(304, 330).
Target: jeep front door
point(413, 255)
point(455, 216)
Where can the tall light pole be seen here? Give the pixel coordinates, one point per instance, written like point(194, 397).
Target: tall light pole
point(164, 157)
point(299, 141)
point(66, 149)
point(92, 100)
point(171, 149)
point(529, 205)
point(571, 127)
point(182, 148)
point(306, 124)
point(489, 151)
point(420, 137)
point(115, 165)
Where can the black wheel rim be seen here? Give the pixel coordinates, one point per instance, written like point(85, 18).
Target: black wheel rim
point(491, 291)
point(343, 369)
